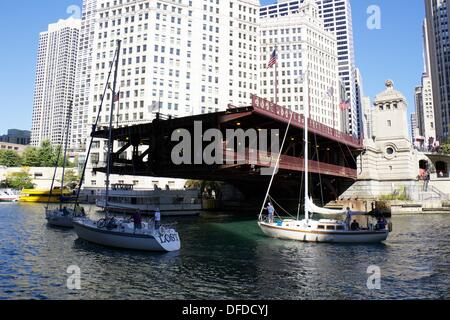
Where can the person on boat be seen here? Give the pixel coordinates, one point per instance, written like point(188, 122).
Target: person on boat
point(354, 226)
point(381, 224)
point(65, 211)
point(271, 211)
point(348, 218)
point(157, 219)
point(137, 219)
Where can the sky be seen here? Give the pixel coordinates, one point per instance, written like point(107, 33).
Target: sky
point(393, 52)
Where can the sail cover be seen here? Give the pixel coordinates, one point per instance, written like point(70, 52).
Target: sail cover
point(312, 208)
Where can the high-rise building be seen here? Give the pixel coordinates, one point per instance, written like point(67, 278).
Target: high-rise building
point(425, 106)
point(307, 65)
point(359, 96)
point(17, 137)
point(337, 18)
point(80, 129)
point(177, 58)
point(55, 80)
point(367, 119)
point(438, 42)
point(414, 127)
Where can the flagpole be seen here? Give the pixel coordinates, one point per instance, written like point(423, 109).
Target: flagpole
point(276, 82)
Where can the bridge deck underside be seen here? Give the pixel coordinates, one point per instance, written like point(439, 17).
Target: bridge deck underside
point(151, 148)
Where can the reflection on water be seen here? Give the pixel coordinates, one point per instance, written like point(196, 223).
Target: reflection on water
point(222, 257)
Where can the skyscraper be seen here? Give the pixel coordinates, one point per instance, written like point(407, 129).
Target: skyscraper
point(178, 58)
point(438, 42)
point(337, 18)
point(55, 80)
point(80, 129)
point(307, 67)
point(425, 106)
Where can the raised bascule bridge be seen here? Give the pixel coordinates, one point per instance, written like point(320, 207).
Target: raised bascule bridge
point(332, 163)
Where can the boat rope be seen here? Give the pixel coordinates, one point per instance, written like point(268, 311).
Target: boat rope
point(94, 128)
point(318, 164)
point(276, 166)
point(276, 203)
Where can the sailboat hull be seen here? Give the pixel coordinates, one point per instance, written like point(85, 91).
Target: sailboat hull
point(299, 234)
point(62, 222)
point(127, 240)
point(57, 218)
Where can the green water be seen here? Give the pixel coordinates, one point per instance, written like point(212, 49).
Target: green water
point(222, 257)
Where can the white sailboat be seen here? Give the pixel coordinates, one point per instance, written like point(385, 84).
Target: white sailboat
point(61, 217)
point(119, 232)
point(323, 230)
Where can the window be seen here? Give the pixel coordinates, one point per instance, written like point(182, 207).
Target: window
point(390, 151)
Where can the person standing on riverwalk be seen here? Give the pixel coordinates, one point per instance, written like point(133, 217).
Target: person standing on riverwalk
point(426, 182)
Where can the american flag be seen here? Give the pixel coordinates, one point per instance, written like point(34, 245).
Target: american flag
point(117, 97)
point(345, 105)
point(273, 59)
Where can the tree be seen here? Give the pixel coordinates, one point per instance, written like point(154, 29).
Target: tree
point(46, 154)
point(9, 158)
point(71, 179)
point(206, 187)
point(30, 157)
point(19, 180)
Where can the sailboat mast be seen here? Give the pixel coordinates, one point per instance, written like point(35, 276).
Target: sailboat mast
point(110, 142)
point(306, 152)
point(69, 112)
point(94, 128)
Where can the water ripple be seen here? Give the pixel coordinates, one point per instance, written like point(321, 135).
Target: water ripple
point(222, 258)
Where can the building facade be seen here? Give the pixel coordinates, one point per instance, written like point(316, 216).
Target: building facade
point(55, 80)
point(17, 136)
point(389, 164)
point(437, 43)
point(425, 106)
point(307, 64)
point(337, 18)
point(414, 128)
point(80, 130)
point(177, 59)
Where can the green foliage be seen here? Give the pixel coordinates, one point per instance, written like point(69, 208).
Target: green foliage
point(206, 187)
point(18, 180)
point(47, 154)
point(71, 179)
point(44, 156)
point(30, 157)
point(397, 195)
point(9, 158)
point(445, 148)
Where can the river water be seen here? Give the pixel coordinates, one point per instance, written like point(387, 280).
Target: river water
point(222, 257)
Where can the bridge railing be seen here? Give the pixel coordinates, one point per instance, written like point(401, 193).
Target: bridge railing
point(267, 160)
point(282, 113)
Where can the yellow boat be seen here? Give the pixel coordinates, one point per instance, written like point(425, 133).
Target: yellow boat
point(36, 195)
